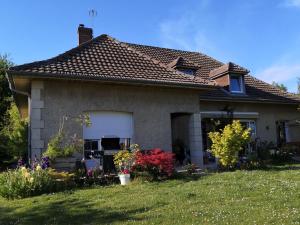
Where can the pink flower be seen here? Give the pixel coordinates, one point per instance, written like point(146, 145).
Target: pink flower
point(90, 173)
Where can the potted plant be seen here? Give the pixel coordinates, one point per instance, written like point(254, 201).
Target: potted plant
point(124, 177)
point(123, 161)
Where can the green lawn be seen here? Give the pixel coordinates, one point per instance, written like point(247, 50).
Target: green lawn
point(241, 197)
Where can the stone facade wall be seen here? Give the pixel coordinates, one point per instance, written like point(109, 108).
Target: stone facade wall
point(151, 107)
point(36, 119)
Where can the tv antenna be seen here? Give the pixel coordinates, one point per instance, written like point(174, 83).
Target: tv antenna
point(93, 13)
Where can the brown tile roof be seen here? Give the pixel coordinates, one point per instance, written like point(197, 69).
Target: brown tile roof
point(106, 58)
point(181, 62)
point(166, 55)
point(256, 90)
point(226, 68)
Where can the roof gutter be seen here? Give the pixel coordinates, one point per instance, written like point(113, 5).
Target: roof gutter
point(266, 101)
point(12, 85)
point(129, 81)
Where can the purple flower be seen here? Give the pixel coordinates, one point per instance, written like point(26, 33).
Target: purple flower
point(34, 163)
point(45, 162)
point(21, 162)
point(90, 173)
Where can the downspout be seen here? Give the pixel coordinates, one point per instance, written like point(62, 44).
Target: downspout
point(12, 88)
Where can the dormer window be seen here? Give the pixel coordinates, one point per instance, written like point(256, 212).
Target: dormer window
point(184, 66)
point(230, 77)
point(187, 71)
point(236, 84)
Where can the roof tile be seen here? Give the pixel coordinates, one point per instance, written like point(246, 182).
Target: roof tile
point(109, 59)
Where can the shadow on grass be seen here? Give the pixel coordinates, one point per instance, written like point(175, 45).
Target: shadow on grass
point(67, 212)
point(283, 166)
point(190, 177)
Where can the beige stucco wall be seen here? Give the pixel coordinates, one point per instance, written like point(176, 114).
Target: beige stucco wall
point(151, 107)
point(268, 115)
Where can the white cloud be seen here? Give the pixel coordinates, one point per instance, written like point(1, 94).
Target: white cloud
point(181, 34)
point(281, 73)
point(183, 31)
point(292, 3)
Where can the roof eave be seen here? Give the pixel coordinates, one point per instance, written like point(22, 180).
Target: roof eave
point(267, 101)
point(130, 81)
point(226, 73)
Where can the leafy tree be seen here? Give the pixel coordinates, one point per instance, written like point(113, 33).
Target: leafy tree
point(227, 143)
point(280, 86)
point(5, 93)
point(13, 129)
point(15, 134)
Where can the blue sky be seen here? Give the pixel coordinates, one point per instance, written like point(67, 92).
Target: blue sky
point(263, 36)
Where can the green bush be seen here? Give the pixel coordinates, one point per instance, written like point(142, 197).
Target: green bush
point(227, 143)
point(13, 137)
point(61, 145)
point(58, 148)
point(22, 182)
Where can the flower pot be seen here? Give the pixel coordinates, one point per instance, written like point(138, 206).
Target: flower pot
point(124, 179)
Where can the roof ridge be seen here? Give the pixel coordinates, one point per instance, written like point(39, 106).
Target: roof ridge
point(178, 50)
point(157, 62)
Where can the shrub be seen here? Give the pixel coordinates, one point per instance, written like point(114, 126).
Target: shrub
point(62, 145)
point(13, 136)
point(228, 142)
point(57, 148)
point(190, 168)
point(22, 182)
point(156, 163)
point(264, 150)
point(251, 162)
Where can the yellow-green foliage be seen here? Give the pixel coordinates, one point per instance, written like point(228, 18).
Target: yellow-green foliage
point(22, 182)
point(228, 142)
point(58, 147)
point(123, 159)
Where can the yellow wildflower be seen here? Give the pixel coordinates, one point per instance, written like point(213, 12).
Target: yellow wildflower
point(31, 179)
point(26, 174)
point(23, 169)
point(38, 167)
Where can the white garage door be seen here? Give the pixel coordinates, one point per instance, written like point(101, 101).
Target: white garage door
point(109, 124)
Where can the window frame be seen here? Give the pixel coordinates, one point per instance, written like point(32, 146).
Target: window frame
point(248, 122)
point(187, 71)
point(253, 132)
point(241, 81)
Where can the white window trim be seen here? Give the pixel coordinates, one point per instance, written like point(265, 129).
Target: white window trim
point(249, 121)
point(241, 78)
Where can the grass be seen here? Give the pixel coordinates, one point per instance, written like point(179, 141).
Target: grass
point(241, 197)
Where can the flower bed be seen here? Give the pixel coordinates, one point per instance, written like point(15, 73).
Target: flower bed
point(152, 164)
point(23, 182)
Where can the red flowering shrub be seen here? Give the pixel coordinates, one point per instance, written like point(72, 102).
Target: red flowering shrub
point(156, 162)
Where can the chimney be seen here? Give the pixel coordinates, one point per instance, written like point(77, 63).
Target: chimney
point(84, 34)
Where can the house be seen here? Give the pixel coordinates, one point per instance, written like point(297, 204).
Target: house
point(156, 97)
